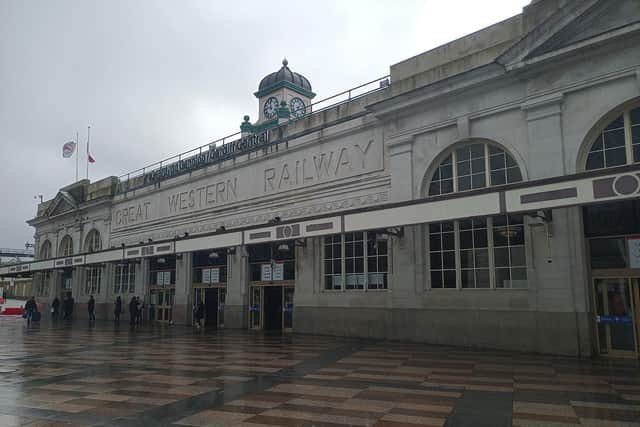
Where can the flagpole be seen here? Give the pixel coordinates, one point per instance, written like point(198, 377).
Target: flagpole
point(77, 153)
point(87, 159)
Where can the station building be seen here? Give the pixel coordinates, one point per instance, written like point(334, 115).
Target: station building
point(484, 194)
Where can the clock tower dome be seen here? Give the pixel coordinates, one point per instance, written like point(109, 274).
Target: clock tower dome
point(281, 91)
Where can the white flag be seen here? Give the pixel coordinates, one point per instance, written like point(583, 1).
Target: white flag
point(68, 149)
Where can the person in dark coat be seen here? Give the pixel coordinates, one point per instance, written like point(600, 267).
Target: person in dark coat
point(67, 306)
point(91, 307)
point(117, 310)
point(199, 314)
point(139, 308)
point(133, 311)
point(55, 306)
point(30, 308)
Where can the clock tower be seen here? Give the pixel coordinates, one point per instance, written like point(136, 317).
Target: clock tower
point(283, 94)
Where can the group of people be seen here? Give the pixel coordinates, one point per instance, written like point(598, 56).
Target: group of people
point(135, 309)
point(67, 307)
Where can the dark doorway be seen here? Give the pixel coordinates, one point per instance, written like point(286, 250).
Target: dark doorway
point(211, 308)
point(273, 308)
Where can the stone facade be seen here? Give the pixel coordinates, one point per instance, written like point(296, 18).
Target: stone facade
point(540, 86)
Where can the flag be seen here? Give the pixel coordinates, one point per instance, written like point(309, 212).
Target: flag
point(90, 159)
point(68, 149)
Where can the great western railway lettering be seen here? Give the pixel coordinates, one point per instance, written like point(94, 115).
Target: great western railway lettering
point(264, 176)
point(203, 196)
point(317, 167)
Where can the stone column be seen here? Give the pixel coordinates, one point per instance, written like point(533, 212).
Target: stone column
point(401, 167)
point(237, 303)
point(181, 303)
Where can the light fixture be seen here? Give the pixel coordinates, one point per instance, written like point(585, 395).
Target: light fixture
point(283, 247)
point(161, 260)
point(214, 255)
point(508, 232)
point(221, 229)
point(302, 243)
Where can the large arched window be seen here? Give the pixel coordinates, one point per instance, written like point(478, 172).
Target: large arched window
point(618, 143)
point(45, 250)
point(66, 246)
point(472, 166)
point(93, 243)
point(476, 253)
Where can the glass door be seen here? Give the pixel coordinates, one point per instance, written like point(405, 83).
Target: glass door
point(616, 316)
point(288, 309)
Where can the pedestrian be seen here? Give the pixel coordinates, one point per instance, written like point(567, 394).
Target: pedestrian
point(117, 310)
point(133, 311)
point(30, 308)
point(91, 307)
point(55, 308)
point(68, 309)
point(199, 314)
point(138, 311)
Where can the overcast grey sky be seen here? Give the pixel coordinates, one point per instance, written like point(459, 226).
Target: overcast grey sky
point(154, 78)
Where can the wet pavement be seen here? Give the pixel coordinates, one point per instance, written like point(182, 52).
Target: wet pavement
point(76, 375)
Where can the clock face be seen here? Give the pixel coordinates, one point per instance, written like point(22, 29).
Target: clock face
point(271, 108)
point(298, 108)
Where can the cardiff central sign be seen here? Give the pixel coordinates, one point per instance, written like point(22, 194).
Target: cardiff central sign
point(215, 154)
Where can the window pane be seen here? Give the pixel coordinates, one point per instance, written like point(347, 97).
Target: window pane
point(616, 124)
point(463, 153)
point(434, 228)
point(615, 157)
point(464, 183)
point(446, 171)
point(449, 259)
point(466, 239)
point(500, 236)
point(595, 160)
point(514, 175)
point(436, 279)
point(518, 256)
point(477, 165)
point(608, 253)
point(464, 168)
point(435, 242)
point(614, 139)
point(435, 259)
point(477, 150)
point(482, 278)
point(448, 241)
point(499, 177)
point(466, 259)
point(501, 257)
point(482, 257)
point(446, 186)
point(467, 279)
point(497, 162)
point(478, 180)
point(449, 279)
point(480, 238)
point(503, 278)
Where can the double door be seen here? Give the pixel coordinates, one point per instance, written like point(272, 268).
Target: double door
point(617, 303)
point(161, 304)
point(271, 308)
point(213, 300)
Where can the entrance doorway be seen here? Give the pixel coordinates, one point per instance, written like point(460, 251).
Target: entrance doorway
point(161, 304)
point(617, 316)
point(213, 299)
point(271, 308)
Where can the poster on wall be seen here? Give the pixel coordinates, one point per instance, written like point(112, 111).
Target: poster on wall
point(633, 243)
point(214, 275)
point(160, 278)
point(278, 271)
point(206, 275)
point(167, 277)
point(265, 272)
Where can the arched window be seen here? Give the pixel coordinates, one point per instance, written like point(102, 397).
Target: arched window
point(45, 250)
point(66, 246)
point(93, 243)
point(472, 166)
point(618, 143)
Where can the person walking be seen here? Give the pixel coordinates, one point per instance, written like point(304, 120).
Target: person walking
point(133, 311)
point(30, 308)
point(55, 308)
point(199, 314)
point(139, 307)
point(117, 310)
point(68, 307)
point(91, 307)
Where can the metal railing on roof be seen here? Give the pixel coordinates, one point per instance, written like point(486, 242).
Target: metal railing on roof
point(314, 108)
point(8, 252)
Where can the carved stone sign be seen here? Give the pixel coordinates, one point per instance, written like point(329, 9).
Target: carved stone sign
point(297, 169)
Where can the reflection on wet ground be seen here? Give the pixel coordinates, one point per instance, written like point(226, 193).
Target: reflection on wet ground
point(75, 375)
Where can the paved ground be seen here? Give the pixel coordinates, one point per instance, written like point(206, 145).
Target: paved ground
point(54, 375)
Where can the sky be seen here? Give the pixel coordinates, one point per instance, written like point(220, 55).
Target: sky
point(154, 78)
